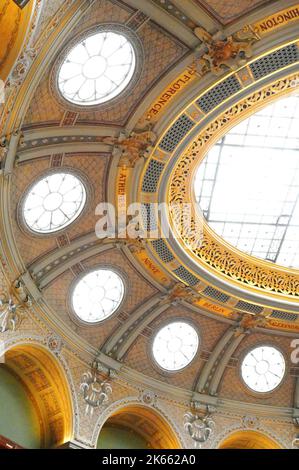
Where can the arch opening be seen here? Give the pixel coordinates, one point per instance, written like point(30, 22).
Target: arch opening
point(38, 409)
point(248, 440)
point(137, 427)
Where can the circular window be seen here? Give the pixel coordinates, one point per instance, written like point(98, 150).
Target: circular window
point(175, 345)
point(54, 202)
point(97, 69)
point(97, 295)
point(263, 369)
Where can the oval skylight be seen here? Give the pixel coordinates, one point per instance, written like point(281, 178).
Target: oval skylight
point(54, 202)
point(263, 369)
point(97, 69)
point(97, 295)
point(248, 184)
point(175, 345)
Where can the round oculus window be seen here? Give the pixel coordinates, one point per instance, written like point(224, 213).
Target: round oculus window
point(175, 345)
point(54, 202)
point(97, 295)
point(263, 369)
point(97, 69)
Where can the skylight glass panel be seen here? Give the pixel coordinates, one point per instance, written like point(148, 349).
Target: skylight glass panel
point(97, 295)
point(97, 69)
point(263, 369)
point(248, 184)
point(175, 345)
point(54, 202)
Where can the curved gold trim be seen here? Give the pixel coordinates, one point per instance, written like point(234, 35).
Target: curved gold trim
point(248, 440)
point(214, 253)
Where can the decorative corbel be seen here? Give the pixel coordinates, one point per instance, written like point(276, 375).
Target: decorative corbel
point(198, 422)
point(95, 389)
point(132, 147)
point(182, 292)
point(249, 322)
point(13, 304)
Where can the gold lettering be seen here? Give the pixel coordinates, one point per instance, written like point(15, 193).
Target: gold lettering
point(282, 17)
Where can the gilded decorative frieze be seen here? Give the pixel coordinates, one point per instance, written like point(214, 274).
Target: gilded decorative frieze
point(212, 250)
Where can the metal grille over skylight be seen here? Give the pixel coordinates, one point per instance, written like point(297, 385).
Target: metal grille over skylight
point(97, 69)
point(248, 184)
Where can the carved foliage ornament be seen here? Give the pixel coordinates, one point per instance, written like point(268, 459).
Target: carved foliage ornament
point(181, 292)
point(210, 251)
point(219, 53)
point(130, 148)
point(249, 322)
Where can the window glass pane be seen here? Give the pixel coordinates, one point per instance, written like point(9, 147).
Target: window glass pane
point(249, 189)
point(263, 369)
point(175, 345)
point(97, 69)
point(54, 202)
point(97, 295)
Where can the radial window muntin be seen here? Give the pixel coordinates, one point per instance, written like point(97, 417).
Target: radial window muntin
point(263, 369)
point(98, 68)
point(97, 294)
point(260, 219)
point(53, 202)
point(175, 345)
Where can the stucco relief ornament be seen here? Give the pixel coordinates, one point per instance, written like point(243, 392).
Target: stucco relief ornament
point(182, 292)
point(249, 322)
point(148, 397)
point(295, 443)
point(250, 422)
point(3, 148)
point(131, 147)
point(95, 392)
point(199, 426)
point(54, 343)
point(22, 66)
point(12, 307)
point(219, 53)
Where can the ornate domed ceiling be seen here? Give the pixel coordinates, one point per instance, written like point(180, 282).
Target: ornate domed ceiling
point(149, 182)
